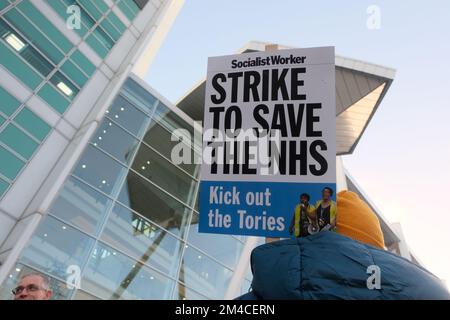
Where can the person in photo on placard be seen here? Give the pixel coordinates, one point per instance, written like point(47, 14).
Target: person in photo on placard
point(325, 211)
point(302, 223)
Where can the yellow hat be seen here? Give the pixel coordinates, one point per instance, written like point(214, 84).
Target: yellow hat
point(355, 219)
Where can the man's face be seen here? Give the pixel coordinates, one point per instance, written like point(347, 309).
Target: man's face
point(32, 288)
point(303, 199)
point(326, 194)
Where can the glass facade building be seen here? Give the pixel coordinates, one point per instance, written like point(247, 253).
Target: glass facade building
point(126, 217)
point(62, 62)
point(44, 59)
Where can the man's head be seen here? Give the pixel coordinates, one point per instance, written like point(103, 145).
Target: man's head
point(304, 198)
point(327, 193)
point(33, 286)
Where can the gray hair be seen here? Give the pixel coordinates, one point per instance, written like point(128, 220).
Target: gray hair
point(45, 279)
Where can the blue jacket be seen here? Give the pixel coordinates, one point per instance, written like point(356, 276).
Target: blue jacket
point(327, 265)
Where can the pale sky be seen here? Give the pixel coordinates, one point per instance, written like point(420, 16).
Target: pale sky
point(402, 161)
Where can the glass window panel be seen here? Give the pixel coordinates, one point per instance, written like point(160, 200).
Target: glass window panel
point(224, 248)
point(183, 293)
point(126, 10)
point(133, 6)
point(64, 85)
point(104, 38)
point(8, 103)
point(159, 136)
point(81, 295)
point(140, 3)
point(116, 22)
point(89, 6)
point(34, 36)
point(55, 246)
point(116, 141)
point(84, 63)
point(3, 186)
point(203, 274)
point(143, 197)
point(160, 139)
point(60, 6)
point(139, 96)
point(35, 59)
point(171, 121)
point(110, 29)
point(3, 4)
point(75, 74)
point(143, 240)
point(80, 205)
point(2, 121)
point(125, 114)
point(111, 275)
point(99, 40)
point(45, 25)
point(18, 67)
point(99, 170)
point(54, 98)
point(11, 165)
point(95, 44)
point(85, 17)
point(32, 123)
point(101, 5)
point(59, 288)
point(166, 175)
point(17, 140)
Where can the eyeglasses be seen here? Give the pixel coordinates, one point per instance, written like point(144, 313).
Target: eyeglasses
point(29, 288)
